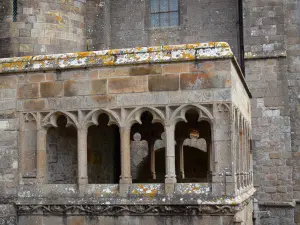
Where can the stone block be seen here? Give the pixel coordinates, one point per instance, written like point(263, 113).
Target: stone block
point(73, 88)
point(169, 82)
point(34, 104)
point(176, 68)
point(145, 70)
point(84, 87)
point(8, 82)
point(195, 81)
point(34, 78)
point(274, 155)
point(26, 48)
point(99, 87)
point(114, 72)
point(128, 85)
point(51, 89)
point(30, 220)
point(30, 90)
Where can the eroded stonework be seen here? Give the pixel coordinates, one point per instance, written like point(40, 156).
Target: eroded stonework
point(114, 133)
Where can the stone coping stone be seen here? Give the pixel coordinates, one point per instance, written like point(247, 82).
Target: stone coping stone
point(139, 55)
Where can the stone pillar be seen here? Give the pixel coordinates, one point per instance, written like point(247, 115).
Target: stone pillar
point(82, 156)
point(152, 162)
point(41, 155)
point(170, 159)
point(244, 153)
point(237, 149)
point(125, 179)
point(181, 157)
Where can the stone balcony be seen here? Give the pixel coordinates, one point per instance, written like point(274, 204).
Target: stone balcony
point(141, 127)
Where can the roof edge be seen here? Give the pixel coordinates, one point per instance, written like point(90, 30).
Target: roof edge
point(116, 57)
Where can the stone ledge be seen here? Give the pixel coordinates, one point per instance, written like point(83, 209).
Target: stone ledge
point(265, 55)
point(278, 204)
point(156, 54)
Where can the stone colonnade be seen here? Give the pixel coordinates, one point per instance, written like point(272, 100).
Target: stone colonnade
point(236, 161)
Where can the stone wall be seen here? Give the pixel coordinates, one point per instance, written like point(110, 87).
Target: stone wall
point(6, 32)
point(272, 47)
point(200, 21)
point(46, 28)
point(123, 84)
point(42, 27)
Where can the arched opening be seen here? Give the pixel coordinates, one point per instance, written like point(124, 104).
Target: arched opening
point(103, 152)
point(193, 149)
point(62, 163)
point(147, 164)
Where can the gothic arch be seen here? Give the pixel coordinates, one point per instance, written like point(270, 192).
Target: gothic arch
point(179, 114)
point(92, 118)
point(135, 115)
point(51, 119)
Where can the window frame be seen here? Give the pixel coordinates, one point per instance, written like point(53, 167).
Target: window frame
point(160, 12)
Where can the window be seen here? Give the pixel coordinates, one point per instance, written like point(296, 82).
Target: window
point(164, 13)
point(15, 10)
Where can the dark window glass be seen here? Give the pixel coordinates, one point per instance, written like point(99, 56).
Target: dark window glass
point(164, 13)
point(15, 10)
point(155, 20)
point(174, 5)
point(173, 19)
point(154, 6)
point(163, 5)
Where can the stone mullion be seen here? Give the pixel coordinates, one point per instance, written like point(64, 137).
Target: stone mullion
point(233, 141)
point(181, 158)
point(170, 179)
point(242, 152)
point(82, 155)
point(248, 157)
point(246, 154)
point(22, 139)
point(243, 161)
point(152, 162)
point(125, 179)
point(237, 145)
point(41, 154)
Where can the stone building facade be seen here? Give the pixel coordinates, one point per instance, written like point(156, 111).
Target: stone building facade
point(266, 33)
point(128, 136)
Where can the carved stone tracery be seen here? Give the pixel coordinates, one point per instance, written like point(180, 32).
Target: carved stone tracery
point(143, 210)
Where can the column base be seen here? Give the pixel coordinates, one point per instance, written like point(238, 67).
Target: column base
point(124, 186)
point(170, 186)
point(83, 181)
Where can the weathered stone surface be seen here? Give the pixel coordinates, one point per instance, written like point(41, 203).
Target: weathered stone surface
point(38, 104)
point(76, 129)
point(168, 82)
point(128, 85)
point(145, 70)
point(194, 81)
point(99, 87)
point(30, 90)
point(51, 89)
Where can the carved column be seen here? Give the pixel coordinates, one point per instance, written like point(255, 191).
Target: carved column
point(237, 146)
point(152, 160)
point(82, 156)
point(41, 155)
point(125, 179)
point(181, 157)
point(170, 158)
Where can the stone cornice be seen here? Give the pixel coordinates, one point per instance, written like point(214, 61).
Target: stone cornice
point(117, 210)
point(156, 54)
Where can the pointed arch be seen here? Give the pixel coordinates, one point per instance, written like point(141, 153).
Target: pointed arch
point(92, 118)
point(135, 115)
point(179, 113)
point(51, 119)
